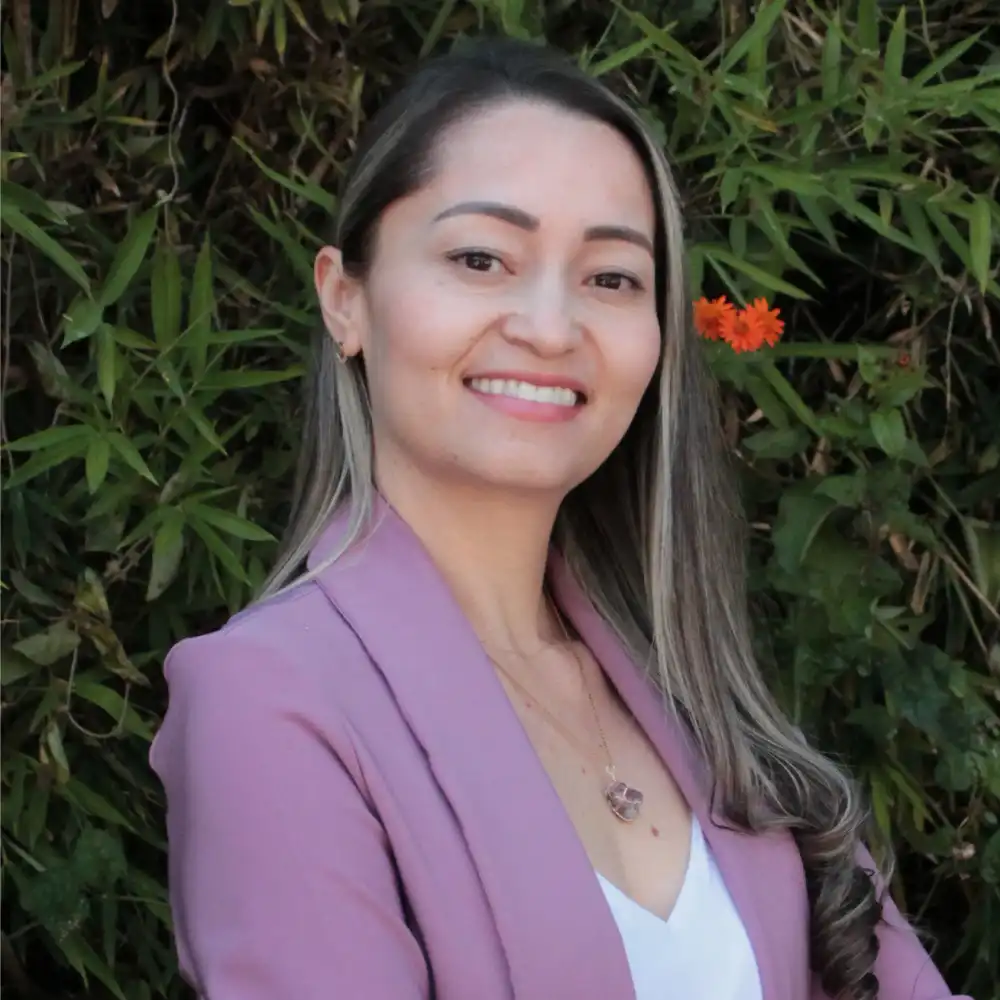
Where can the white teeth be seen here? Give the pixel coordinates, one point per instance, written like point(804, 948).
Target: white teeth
point(525, 390)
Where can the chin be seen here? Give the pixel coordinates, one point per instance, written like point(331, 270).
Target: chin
point(523, 475)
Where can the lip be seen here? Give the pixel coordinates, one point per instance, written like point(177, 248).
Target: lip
point(529, 409)
point(535, 378)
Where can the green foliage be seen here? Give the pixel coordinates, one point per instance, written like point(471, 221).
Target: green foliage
point(166, 179)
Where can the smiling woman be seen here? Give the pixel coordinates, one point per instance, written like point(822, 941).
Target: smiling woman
point(496, 730)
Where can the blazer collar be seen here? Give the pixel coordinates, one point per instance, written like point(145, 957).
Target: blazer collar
point(534, 869)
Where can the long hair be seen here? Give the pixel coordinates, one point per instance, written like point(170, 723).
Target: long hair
point(654, 536)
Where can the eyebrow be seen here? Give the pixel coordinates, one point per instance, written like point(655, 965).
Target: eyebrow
point(522, 220)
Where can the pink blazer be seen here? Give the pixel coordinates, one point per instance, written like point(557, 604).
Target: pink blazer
point(355, 812)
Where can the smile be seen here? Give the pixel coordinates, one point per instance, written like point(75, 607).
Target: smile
point(554, 395)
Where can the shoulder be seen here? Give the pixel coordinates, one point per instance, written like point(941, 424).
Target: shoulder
point(282, 665)
point(295, 637)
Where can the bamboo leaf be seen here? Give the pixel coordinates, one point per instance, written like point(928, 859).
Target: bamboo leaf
point(716, 255)
point(49, 437)
point(767, 14)
point(227, 558)
point(238, 527)
point(894, 50)
point(201, 311)
point(107, 363)
point(129, 257)
point(916, 221)
point(166, 295)
point(50, 645)
point(217, 381)
point(18, 222)
point(168, 548)
point(97, 461)
point(980, 241)
point(130, 455)
point(831, 58)
point(310, 192)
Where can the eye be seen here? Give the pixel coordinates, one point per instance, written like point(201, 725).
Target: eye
point(615, 281)
point(476, 260)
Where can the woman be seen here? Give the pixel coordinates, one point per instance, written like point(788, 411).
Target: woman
point(504, 737)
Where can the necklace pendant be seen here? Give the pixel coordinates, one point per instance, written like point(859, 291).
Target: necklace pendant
point(624, 800)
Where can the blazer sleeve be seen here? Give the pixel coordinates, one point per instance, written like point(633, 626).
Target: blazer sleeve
point(281, 880)
point(904, 969)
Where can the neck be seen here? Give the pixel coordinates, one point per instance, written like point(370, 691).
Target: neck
point(491, 546)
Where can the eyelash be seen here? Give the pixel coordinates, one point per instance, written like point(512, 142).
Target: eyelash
point(467, 255)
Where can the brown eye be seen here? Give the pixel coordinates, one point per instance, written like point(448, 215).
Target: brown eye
point(475, 260)
point(615, 282)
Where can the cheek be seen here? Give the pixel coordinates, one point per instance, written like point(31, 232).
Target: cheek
point(632, 360)
point(420, 328)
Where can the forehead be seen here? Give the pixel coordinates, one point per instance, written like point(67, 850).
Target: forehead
point(545, 160)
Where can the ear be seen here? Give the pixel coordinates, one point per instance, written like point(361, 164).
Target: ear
point(342, 301)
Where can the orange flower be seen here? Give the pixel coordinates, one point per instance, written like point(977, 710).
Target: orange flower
point(746, 329)
point(709, 317)
point(762, 324)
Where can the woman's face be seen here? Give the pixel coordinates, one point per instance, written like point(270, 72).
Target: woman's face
point(508, 320)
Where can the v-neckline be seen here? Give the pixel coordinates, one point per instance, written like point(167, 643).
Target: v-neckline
point(432, 661)
point(696, 847)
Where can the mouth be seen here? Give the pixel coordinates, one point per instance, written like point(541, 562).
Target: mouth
point(509, 388)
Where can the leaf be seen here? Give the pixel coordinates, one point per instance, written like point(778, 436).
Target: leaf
point(773, 443)
point(85, 960)
point(220, 550)
point(916, 221)
point(767, 400)
point(307, 190)
point(37, 237)
point(767, 14)
point(129, 257)
point(49, 437)
point(895, 49)
point(201, 310)
point(663, 39)
point(797, 524)
point(81, 319)
point(620, 57)
point(168, 548)
point(107, 363)
point(53, 743)
point(818, 216)
point(830, 61)
point(715, 255)
point(98, 458)
point(216, 381)
point(787, 394)
point(166, 295)
point(15, 667)
point(889, 430)
point(867, 29)
point(729, 189)
point(92, 803)
point(980, 241)
point(943, 61)
point(114, 705)
point(50, 645)
point(48, 458)
point(231, 524)
point(130, 455)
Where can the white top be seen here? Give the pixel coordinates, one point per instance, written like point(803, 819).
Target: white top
point(701, 950)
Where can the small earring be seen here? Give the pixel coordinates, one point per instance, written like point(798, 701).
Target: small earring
point(341, 354)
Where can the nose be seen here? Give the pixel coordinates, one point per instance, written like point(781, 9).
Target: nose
point(542, 319)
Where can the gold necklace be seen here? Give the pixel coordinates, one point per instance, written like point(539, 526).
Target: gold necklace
point(624, 801)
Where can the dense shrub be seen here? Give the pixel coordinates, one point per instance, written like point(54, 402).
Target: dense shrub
point(168, 172)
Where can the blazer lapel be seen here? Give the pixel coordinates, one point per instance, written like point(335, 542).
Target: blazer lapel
point(556, 928)
point(746, 861)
